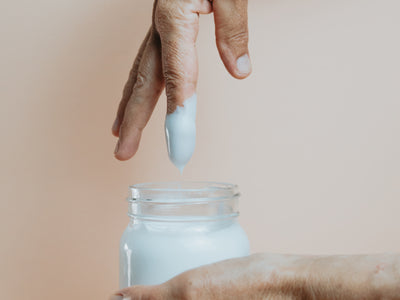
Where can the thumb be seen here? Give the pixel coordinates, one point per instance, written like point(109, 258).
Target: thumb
point(230, 17)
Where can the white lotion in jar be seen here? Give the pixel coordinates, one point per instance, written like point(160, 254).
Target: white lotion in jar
point(180, 132)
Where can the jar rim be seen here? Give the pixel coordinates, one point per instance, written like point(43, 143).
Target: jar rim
point(182, 191)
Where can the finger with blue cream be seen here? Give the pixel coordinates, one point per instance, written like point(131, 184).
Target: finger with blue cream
point(180, 132)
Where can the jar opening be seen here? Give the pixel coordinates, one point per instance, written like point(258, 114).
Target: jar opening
point(182, 191)
point(186, 200)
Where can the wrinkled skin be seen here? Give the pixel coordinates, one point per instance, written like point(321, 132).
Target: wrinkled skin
point(274, 276)
point(167, 58)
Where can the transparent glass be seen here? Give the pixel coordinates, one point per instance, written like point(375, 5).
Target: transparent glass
point(177, 226)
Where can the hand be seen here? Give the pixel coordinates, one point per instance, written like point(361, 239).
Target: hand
point(253, 277)
point(274, 276)
point(168, 56)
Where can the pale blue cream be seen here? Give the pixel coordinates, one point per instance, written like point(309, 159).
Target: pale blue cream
point(180, 132)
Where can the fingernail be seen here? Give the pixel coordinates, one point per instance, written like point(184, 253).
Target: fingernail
point(243, 64)
point(115, 124)
point(116, 147)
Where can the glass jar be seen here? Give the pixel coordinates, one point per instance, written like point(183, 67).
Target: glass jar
point(177, 226)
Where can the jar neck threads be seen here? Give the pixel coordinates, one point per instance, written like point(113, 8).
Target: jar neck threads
point(183, 201)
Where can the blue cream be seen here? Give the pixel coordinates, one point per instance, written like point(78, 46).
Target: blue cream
point(180, 132)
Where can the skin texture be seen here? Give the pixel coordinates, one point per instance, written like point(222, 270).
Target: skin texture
point(275, 276)
point(167, 58)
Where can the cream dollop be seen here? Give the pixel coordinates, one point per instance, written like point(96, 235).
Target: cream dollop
point(180, 132)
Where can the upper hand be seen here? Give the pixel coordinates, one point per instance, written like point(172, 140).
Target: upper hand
point(167, 57)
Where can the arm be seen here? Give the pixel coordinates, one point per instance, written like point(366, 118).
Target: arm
point(273, 276)
point(354, 277)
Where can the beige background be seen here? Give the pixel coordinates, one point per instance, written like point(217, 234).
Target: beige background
point(312, 137)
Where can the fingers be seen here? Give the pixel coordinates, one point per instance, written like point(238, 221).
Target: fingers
point(232, 36)
point(147, 88)
point(177, 23)
point(126, 94)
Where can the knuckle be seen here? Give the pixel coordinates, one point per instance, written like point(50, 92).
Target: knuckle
point(238, 37)
point(141, 79)
point(172, 81)
point(173, 78)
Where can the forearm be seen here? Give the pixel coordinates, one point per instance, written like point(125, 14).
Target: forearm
point(282, 277)
point(355, 277)
point(332, 277)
